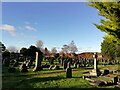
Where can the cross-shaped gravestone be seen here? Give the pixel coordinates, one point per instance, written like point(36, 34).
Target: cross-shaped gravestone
point(95, 71)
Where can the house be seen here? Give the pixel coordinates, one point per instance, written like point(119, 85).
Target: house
point(89, 55)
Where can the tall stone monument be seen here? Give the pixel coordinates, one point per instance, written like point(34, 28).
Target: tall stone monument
point(95, 71)
point(38, 60)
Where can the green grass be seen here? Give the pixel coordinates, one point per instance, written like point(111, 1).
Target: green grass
point(49, 78)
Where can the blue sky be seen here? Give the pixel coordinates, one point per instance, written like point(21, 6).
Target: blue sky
point(55, 23)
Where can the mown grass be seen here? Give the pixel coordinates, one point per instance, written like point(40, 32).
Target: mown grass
point(49, 78)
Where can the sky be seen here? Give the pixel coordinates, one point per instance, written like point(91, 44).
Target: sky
point(55, 23)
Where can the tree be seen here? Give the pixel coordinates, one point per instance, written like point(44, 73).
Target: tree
point(5, 54)
point(6, 57)
point(72, 47)
point(39, 44)
point(46, 51)
point(65, 48)
point(23, 51)
point(111, 12)
point(54, 50)
point(2, 47)
point(109, 48)
point(32, 51)
point(12, 49)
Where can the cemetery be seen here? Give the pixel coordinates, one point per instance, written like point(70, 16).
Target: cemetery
point(66, 72)
point(93, 63)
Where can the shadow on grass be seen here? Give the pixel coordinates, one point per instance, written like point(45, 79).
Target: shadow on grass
point(42, 79)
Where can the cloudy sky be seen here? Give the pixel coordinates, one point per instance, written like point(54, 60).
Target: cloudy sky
point(55, 23)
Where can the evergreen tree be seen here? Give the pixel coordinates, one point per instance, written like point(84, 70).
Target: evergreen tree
point(111, 12)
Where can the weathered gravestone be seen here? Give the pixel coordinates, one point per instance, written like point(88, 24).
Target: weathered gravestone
point(23, 68)
point(68, 71)
point(38, 60)
point(95, 71)
point(106, 72)
point(51, 67)
point(56, 67)
point(45, 65)
point(75, 65)
point(115, 80)
point(51, 60)
point(64, 64)
point(78, 65)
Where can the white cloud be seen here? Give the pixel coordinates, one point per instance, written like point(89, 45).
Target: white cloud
point(8, 28)
point(30, 28)
point(29, 37)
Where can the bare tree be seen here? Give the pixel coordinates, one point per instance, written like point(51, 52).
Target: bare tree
point(39, 44)
point(54, 50)
point(65, 48)
point(72, 47)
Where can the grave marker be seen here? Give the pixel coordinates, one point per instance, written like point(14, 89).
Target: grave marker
point(95, 71)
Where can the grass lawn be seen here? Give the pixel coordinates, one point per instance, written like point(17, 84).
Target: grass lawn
point(48, 79)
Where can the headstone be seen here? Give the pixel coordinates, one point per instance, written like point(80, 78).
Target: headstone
point(45, 66)
point(78, 65)
point(75, 65)
point(38, 60)
point(56, 67)
point(62, 61)
point(28, 64)
point(115, 80)
point(101, 83)
point(68, 71)
point(51, 67)
point(23, 68)
point(106, 72)
point(64, 64)
point(52, 60)
point(95, 71)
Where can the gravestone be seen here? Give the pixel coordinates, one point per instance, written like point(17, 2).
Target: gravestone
point(62, 61)
point(68, 71)
point(56, 67)
point(64, 64)
point(23, 68)
point(75, 65)
point(52, 60)
point(78, 65)
point(95, 71)
point(45, 65)
point(38, 60)
point(115, 80)
point(51, 67)
point(106, 72)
